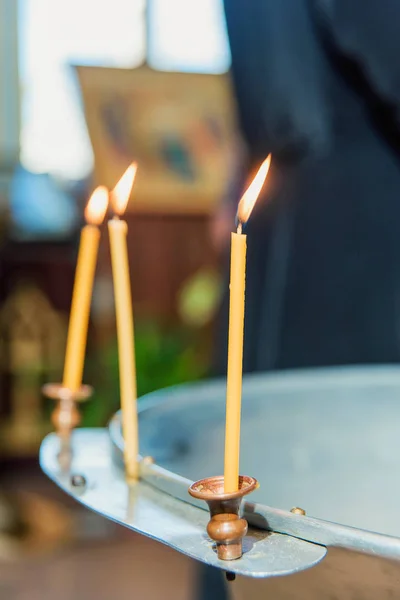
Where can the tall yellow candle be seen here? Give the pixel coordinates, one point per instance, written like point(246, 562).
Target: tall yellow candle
point(236, 328)
point(118, 230)
point(83, 287)
point(235, 360)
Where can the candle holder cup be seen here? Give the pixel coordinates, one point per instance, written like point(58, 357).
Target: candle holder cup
point(66, 415)
point(225, 527)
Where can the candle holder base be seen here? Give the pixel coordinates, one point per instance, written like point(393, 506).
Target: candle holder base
point(66, 416)
point(225, 527)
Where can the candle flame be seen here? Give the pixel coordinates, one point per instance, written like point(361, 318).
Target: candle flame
point(97, 206)
point(250, 196)
point(121, 193)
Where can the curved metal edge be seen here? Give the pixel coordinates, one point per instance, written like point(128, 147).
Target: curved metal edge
point(295, 379)
point(306, 528)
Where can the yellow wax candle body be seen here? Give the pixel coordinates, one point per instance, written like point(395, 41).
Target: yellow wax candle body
point(235, 362)
point(80, 307)
point(126, 354)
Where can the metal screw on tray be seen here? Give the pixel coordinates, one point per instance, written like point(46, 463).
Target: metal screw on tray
point(296, 510)
point(78, 483)
point(66, 416)
point(225, 527)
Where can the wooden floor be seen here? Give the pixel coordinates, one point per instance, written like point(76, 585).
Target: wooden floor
point(72, 554)
point(129, 569)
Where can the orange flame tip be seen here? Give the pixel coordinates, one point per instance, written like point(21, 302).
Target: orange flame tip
point(121, 193)
point(97, 206)
point(250, 196)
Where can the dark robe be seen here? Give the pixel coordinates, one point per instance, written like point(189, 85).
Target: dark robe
point(318, 85)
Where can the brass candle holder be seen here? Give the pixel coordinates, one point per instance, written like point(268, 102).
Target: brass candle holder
point(225, 527)
point(66, 415)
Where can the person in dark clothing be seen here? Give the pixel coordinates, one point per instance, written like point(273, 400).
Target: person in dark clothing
point(318, 84)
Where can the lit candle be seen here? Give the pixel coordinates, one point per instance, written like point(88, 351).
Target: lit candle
point(236, 328)
point(118, 230)
point(83, 287)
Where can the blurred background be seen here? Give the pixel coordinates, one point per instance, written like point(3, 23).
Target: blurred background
point(198, 92)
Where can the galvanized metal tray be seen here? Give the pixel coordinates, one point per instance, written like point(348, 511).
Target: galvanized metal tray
point(326, 440)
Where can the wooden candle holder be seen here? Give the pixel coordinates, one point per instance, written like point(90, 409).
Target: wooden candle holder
point(226, 528)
